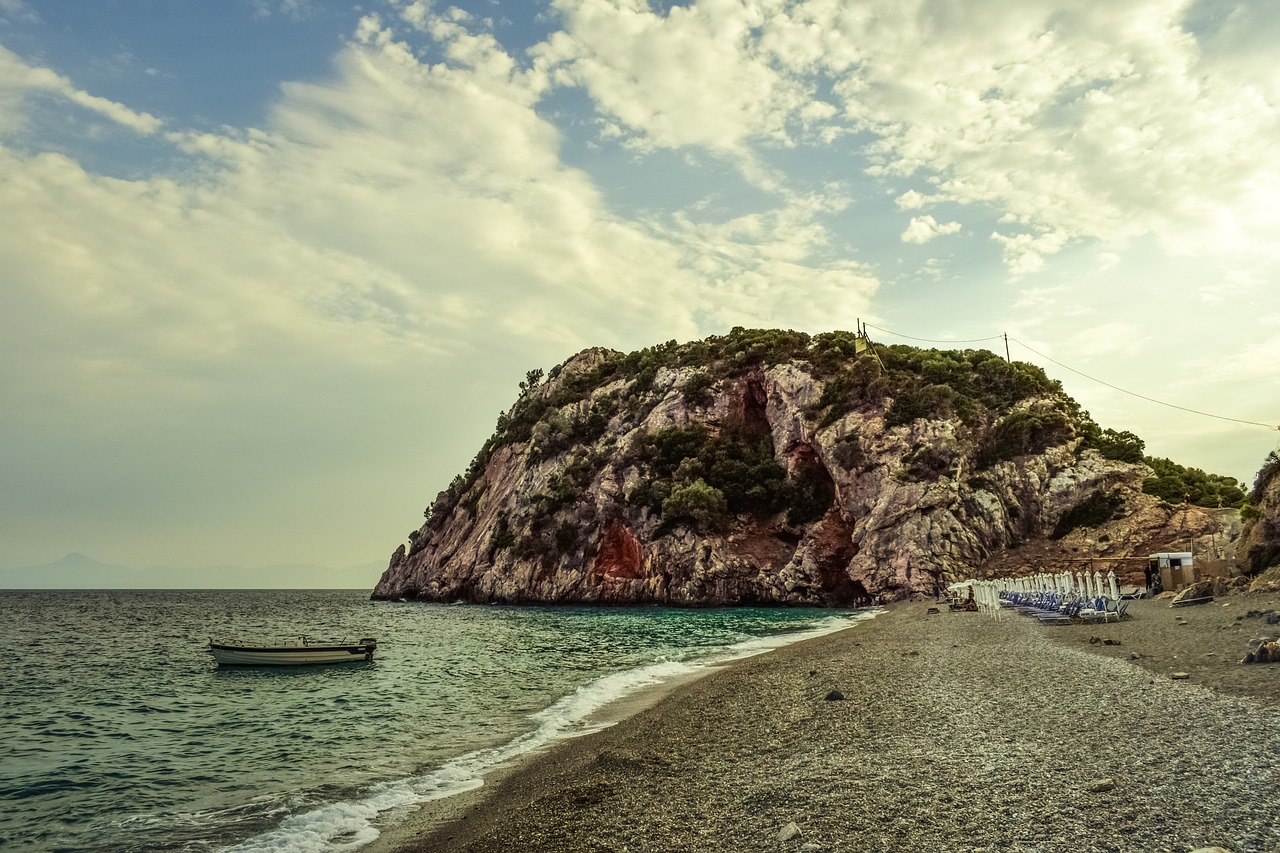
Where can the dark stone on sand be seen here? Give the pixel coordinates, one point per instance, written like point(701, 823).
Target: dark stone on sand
point(834, 695)
point(1098, 786)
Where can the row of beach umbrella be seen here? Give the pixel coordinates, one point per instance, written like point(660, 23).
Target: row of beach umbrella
point(1086, 584)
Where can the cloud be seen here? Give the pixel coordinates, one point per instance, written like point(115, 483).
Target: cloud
point(922, 229)
point(18, 11)
point(911, 200)
point(1093, 122)
point(1024, 253)
point(1254, 362)
point(381, 215)
point(693, 76)
point(296, 10)
point(19, 80)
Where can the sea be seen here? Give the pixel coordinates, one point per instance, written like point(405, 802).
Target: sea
point(118, 731)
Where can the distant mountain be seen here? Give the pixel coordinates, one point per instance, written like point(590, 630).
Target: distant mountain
point(78, 571)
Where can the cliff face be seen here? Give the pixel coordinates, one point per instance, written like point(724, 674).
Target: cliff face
point(812, 475)
point(1260, 541)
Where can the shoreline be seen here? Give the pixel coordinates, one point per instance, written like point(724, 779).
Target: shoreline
point(400, 831)
point(959, 731)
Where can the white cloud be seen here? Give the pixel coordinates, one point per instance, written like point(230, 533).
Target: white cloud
point(381, 213)
point(922, 229)
point(693, 76)
point(911, 200)
point(1024, 253)
point(18, 80)
point(1102, 122)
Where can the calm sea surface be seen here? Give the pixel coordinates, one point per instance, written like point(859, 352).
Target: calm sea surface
point(118, 731)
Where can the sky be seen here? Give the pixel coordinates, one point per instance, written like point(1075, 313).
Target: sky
point(270, 269)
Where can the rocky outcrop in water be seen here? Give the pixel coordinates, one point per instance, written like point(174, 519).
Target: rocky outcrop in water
point(775, 468)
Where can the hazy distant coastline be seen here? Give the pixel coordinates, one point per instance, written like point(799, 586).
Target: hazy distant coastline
point(78, 571)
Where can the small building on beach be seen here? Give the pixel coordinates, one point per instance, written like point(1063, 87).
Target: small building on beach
point(1171, 570)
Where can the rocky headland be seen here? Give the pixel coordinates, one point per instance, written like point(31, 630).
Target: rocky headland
point(772, 467)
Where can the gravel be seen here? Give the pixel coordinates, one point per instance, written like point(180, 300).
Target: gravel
point(957, 731)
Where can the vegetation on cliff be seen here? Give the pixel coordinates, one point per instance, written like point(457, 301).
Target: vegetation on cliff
point(768, 466)
point(1262, 514)
point(701, 477)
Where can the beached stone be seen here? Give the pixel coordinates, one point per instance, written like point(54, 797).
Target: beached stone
point(1198, 591)
point(1098, 786)
point(1110, 642)
point(788, 832)
point(1211, 850)
point(1264, 651)
point(834, 695)
point(1180, 676)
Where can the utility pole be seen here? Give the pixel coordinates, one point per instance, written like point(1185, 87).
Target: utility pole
point(1006, 348)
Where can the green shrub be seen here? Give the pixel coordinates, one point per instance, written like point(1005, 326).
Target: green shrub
point(1270, 468)
point(1099, 508)
point(919, 401)
point(1176, 484)
point(848, 453)
point(566, 536)
point(503, 535)
point(1022, 433)
point(1121, 446)
point(809, 495)
point(697, 389)
point(926, 464)
point(703, 504)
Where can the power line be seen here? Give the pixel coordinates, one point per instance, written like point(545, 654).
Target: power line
point(1077, 372)
point(1142, 396)
point(931, 340)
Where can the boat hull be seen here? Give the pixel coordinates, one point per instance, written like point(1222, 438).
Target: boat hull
point(299, 655)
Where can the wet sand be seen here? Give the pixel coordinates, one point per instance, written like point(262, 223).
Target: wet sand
point(958, 731)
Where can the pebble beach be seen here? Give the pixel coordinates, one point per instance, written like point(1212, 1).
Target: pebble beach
point(956, 731)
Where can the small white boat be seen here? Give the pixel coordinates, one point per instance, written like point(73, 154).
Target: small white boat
point(297, 652)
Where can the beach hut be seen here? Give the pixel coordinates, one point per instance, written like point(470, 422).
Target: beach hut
point(1175, 569)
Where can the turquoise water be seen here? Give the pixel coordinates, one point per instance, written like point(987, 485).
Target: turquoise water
point(118, 731)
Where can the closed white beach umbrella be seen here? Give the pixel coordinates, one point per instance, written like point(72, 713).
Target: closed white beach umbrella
point(1112, 585)
point(1098, 588)
point(1079, 584)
